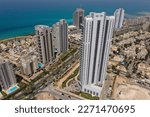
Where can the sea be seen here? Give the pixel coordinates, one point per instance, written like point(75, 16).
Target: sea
point(18, 17)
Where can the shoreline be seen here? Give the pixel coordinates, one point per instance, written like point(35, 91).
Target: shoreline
point(16, 38)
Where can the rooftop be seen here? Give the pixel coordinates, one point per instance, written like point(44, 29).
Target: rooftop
point(41, 26)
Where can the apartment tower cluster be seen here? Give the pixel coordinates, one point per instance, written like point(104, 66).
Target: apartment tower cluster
point(97, 32)
point(51, 41)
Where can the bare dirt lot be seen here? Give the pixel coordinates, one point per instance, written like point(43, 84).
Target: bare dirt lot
point(125, 91)
point(44, 96)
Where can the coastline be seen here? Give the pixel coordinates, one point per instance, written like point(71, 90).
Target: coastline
point(15, 38)
point(24, 31)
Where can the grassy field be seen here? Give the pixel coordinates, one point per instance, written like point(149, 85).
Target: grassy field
point(87, 96)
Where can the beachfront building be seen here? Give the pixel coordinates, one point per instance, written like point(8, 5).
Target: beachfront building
point(95, 45)
point(119, 18)
point(44, 44)
point(60, 36)
point(78, 17)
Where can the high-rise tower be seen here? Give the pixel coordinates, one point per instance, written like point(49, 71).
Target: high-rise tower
point(97, 35)
point(60, 36)
point(7, 75)
point(119, 17)
point(64, 35)
point(78, 17)
point(44, 43)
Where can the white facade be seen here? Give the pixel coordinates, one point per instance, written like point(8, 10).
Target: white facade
point(60, 36)
point(97, 35)
point(29, 64)
point(44, 44)
point(26, 66)
point(56, 38)
point(35, 63)
point(119, 18)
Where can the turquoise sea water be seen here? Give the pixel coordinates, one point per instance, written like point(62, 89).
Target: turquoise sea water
point(18, 17)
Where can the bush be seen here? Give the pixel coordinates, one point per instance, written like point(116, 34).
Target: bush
point(70, 77)
point(89, 96)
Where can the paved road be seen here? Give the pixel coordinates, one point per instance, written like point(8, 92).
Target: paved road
point(62, 94)
point(38, 86)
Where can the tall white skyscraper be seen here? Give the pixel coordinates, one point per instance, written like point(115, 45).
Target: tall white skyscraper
point(119, 17)
point(97, 36)
point(60, 36)
point(44, 44)
point(56, 38)
point(7, 75)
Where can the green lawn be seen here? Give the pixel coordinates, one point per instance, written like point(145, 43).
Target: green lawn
point(86, 95)
point(67, 54)
point(89, 96)
point(70, 77)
